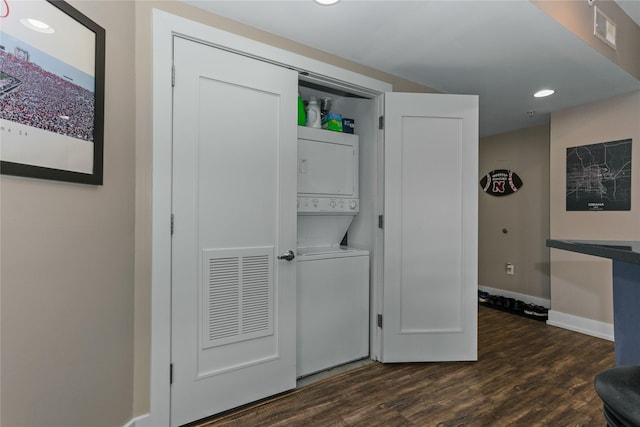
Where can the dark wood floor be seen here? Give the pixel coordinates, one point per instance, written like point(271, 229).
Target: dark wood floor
point(527, 374)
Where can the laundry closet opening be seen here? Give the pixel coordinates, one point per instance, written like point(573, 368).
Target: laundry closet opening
point(337, 222)
point(225, 220)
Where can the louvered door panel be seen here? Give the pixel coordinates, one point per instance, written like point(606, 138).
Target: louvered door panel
point(257, 298)
point(237, 290)
point(222, 291)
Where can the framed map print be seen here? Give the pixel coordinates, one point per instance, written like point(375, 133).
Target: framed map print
point(599, 177)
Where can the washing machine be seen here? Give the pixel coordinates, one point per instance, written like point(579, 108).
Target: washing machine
point(332, 280)
point(333, 308)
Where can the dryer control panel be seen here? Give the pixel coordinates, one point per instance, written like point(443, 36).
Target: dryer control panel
point(329, 205)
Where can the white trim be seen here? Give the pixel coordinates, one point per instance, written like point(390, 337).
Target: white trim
point(529, 299)
point(139, 421)
point(165, 26)
point(375, 346)
point(583, 325)
point(160, 396)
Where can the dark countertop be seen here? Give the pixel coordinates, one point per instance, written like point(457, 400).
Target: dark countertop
point(619, 250)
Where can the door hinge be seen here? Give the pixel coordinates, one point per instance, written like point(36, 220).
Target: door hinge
point(381, 122)
point(381, 221)
point(171, 373)
point(172, 224)
point(379, 320)
point(173, 75)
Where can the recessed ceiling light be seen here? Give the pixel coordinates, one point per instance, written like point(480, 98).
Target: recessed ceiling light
point(326, 2)
point(544, 92)
point(36, 25)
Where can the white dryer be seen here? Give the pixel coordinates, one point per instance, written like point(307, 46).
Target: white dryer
point(333, 280)
point(327, 186)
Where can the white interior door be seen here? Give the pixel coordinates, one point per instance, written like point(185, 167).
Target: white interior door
point(234, 205)
point(430, 228)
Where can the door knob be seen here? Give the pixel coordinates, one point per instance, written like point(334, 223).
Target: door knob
point(289, 255)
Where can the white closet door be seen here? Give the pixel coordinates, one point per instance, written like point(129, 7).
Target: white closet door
point(234, 204)
point(430, 228)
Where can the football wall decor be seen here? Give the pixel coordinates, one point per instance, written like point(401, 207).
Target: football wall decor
point(500, 182)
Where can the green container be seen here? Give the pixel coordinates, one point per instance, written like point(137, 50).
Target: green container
point(302, 115)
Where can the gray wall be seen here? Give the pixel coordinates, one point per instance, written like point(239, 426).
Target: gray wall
point(581, 285)
point(68, 270)
point(524, 214)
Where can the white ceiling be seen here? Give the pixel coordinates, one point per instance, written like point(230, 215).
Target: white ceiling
point(502, 51)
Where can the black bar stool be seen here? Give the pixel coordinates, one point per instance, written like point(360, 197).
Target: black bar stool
point(619, 389)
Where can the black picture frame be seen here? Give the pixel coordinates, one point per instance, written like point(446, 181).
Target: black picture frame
point(86, 132)
point(599, 176)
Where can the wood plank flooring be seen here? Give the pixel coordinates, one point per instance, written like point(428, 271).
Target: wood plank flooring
point(527, 374)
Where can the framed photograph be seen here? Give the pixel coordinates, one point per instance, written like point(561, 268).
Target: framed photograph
point(51, 92)
point(599, 176)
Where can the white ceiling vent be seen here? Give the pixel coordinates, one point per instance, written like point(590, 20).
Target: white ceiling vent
point(604, 28)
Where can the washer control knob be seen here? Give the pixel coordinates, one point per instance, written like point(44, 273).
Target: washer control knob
point(314, 202)
point(332, 203)
point(353, 204)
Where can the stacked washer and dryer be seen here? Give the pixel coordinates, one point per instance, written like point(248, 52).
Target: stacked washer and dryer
point(333, 280)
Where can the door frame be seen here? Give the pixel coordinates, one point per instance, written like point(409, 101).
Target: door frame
point(165, 26)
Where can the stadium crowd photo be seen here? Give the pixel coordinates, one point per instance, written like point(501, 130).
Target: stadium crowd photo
point(38, 98)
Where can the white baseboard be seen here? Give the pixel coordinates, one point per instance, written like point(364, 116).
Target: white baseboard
point(522, 297)
point(139, 421)
point(583, 325)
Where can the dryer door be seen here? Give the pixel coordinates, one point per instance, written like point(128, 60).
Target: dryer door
point(327, 163)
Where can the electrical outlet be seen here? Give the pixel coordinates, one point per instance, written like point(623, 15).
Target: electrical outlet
point(510, 269)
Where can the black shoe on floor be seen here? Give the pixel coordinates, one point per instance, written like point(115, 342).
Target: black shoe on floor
point(536, 310)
